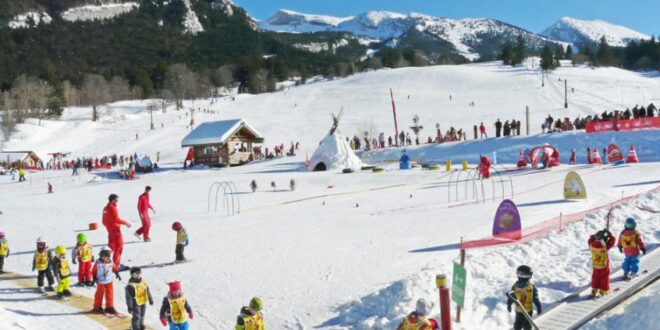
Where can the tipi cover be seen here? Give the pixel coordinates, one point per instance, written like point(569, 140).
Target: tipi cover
point(334, 152)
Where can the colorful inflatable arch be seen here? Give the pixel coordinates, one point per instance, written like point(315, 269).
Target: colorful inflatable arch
point(537, 152)
point(614, 154)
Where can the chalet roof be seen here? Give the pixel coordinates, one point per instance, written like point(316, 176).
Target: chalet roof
point(217, 132)
point(14, 156)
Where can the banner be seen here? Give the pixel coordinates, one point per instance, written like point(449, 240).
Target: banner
point(614, 154)
point(574, 187)
point(623, 125)
point(507, 221)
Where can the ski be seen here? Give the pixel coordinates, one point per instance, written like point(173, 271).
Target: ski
point(114, 315)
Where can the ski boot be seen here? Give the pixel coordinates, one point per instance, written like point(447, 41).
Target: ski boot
point(41, 290)
point(50, 288)
point(97, 310)
point(67, 293)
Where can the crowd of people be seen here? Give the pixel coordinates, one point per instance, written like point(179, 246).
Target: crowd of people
point(551, 125)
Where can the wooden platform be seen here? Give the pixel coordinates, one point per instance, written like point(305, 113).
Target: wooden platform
point(579, 309)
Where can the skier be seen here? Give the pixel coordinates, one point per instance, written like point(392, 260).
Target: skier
point(181, 242)
point(573, 158)
point(143, 210)
point(21, 174)
point(292, 185)
point(418, 320)
point(82, 253)
point(137, 295)
point(599, 244)
point(113, 223)
point(253, 186)
point(102, 272)
point(250, 317)
point(41, 262)
point(4, 251)
point(630, 243)
point(484, 167)
point(174, 308)
point(482, 130)
point(62, 272)
point(526, 294)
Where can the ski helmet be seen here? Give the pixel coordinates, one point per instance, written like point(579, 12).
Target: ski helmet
point(60, 250)
point(105, 252)
point(81, 238)
point(2, 234)
point(41, 239)
point(601, 235)
point(524, 271)
point(176, 226)
point(423, 307)
point(630, 223)
point(256, 303)
point(136, 270)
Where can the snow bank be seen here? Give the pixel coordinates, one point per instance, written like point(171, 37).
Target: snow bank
point(637, 314)
point(335, 153)
point(29, 19)
point(102, 12)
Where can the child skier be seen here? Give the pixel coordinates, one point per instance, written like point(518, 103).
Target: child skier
point(250, 317)
point(83, 254)
point(41, 262)
point(4, 251)
point(137, 295)
point(526, 294)
point(62, 272)
point(174, 308)
point(181, 242)
point(418, 320)
point(102, 273)
point(630, 243)
point(599, 244)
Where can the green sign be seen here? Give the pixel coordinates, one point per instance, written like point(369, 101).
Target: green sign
point(458, 283)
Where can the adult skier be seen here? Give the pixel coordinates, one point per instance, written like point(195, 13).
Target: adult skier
point(113, 223)
point(143, 210)
point(630, 244)
point(599, 244)
point(527, 295)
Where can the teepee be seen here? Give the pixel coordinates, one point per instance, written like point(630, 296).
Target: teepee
point(334, 152)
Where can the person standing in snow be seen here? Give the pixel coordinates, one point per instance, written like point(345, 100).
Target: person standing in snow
point(498, 128)
point(62, 272)
point(418, 320)
point(630, 244)
point(482, 129)
point(42, 263)
point(102, 274)
point(137, 296)
point(143, 210)
point(113, 223)
point(573, 158)
point(250, 317)
point(526, 293)
point(174, 308)
point(82, 253)
point(600, 244)
point(181, 242)
point(4, 250)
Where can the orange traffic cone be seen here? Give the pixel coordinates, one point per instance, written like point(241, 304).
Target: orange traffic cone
point(595, 159)
point(632, 155)
point(521, 160)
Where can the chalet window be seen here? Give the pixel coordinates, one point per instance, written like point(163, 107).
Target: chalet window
point(210, 150)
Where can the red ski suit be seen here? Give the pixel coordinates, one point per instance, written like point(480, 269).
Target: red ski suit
point(112, 223)
point(600, 277)
point(143, 210)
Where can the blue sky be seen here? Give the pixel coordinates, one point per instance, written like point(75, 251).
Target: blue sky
point(533, 15)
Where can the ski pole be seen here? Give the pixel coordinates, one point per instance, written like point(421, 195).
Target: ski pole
point(512, 295)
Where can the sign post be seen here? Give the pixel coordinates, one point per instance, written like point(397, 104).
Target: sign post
point(458, 285)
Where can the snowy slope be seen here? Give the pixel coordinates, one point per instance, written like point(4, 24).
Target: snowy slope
point(342, 251)
point(29, 19)
point(290, 21)
point(98, 12)
point(580, 32)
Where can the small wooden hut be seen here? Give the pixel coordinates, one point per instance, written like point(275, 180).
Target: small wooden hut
point(223, 143)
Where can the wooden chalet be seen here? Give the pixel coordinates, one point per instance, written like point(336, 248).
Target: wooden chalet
point(222, 143)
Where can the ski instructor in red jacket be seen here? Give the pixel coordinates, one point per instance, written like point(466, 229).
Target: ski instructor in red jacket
point(113, 223)
point(143, 210)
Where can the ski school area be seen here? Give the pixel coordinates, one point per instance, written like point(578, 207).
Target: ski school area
point(477, 234)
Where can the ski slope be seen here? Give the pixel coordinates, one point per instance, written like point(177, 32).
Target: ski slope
point(350, 251)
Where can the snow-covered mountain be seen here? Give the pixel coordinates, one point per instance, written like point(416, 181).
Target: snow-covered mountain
point(471, 37)
point(581, 32)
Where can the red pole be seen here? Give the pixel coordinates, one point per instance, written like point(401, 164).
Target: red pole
point(445, 306)
point(396, 126)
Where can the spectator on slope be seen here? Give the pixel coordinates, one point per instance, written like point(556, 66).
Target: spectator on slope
point(482, 130)
point(113, 223)
point(498, 128)
point(250, 317)
point(507, 128)
point(630, 244)
point(143, 207)
point(418, 320)
point(525, 292)
point(600, 244)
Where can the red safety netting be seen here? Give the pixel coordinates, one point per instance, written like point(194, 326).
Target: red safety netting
point(557, 223)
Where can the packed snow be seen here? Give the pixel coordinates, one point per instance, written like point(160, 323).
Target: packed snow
point(191, 24)
point(29, 19)
point(578, 32)
point(341, 251)
point(98, 12)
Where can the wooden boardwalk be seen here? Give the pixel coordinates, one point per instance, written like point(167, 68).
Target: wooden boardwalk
point(580, 308)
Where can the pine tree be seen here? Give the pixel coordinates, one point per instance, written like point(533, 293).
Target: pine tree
point(569, 52)
point(519, 52)
point(547, 59)
point(559, 52)
point(604, 54)
point(506, 52)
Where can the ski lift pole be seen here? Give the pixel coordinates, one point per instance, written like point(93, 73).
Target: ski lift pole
point(445, 303)
point(396, 126)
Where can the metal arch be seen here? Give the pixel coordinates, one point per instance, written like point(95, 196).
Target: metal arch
point(458, 179)
point(229, 190)
point(449, 187)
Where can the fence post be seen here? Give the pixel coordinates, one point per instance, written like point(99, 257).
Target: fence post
point(445, 304)
point(560, 214)
point(527, 118)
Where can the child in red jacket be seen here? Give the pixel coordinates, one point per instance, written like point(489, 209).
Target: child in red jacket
point(599, 244)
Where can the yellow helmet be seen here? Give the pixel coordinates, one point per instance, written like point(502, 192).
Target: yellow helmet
point(60, 249)
point(256, 304)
